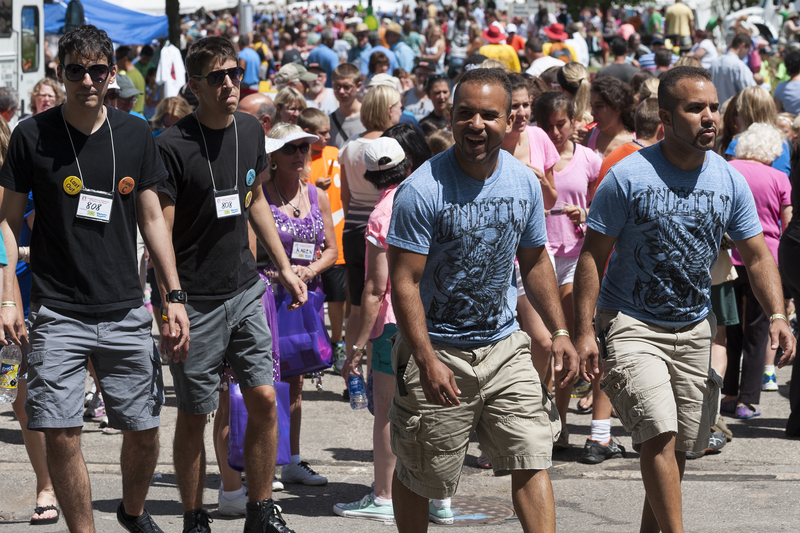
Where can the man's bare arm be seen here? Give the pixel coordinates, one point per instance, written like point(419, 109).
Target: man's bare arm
point(585, 290)
point(541, 287)
point(766, 283)
point(438, 381)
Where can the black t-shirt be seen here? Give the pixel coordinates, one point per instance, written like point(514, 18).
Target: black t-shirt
point(793, 228)
point(436, 120)
point(292, 56)
point(213, 256)
point(77, 264)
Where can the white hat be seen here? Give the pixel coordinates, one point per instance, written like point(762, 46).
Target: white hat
point(383, 153)
point(384, 79)
point(511, 28)
point(114, 84)
point(274, 145)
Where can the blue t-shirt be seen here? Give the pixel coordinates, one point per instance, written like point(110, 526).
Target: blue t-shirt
point(668, 224)
point(788, 92)
point(253, 64)
point(327, 59)
point(783, 163)
point(393, 64)
point(470, 231)
point(24, 274)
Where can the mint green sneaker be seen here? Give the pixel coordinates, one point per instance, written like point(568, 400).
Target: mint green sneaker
point(440, 516)
point(366, 508)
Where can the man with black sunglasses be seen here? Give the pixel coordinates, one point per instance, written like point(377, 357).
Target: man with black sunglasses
point(215, 158)
point(93, 171)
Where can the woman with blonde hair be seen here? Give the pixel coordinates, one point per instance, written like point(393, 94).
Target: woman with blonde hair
point(753, 105)
point(290, 103)
point(380, 110)
point(46, 94)
point(168, 112)
point(475, 40)
point(573, 80)
point(435, 47)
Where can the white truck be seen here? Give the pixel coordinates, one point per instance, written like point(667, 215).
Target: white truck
point(22, 61)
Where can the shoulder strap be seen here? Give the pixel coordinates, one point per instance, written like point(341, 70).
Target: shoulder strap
point(338, 124)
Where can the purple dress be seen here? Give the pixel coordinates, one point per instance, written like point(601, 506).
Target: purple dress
point(309, 229)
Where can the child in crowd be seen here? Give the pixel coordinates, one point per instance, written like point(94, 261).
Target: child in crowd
point(324, 173)
point(346, 121)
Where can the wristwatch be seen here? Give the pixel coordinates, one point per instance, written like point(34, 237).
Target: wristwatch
point(178, 297)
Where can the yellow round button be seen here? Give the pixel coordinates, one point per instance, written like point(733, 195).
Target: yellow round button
point(247, 199)
point(73, 185)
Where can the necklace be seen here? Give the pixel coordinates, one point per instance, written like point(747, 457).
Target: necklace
point(208, 157)
point(296, 211)
point(113, 152)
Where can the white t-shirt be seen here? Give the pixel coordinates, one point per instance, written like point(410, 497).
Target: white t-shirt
point(543, 63)
point(420, 107)
point(363, 196)
point(329, 104)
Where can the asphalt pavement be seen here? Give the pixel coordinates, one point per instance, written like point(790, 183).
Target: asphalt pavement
point(752, 486)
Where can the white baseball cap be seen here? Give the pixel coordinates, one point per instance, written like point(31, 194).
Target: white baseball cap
point(511, 28)
point(274, 145)
point(383, 153)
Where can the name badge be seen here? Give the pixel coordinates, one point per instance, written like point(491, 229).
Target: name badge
point(227, 203)
point(95, 205)
point(303, 251)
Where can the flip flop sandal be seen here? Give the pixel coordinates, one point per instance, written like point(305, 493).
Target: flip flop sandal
point(43, 521)
point(484, 462)
point(581, 407)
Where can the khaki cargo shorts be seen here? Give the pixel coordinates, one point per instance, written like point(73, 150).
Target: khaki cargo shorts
point(501, 397)
point(659, 379)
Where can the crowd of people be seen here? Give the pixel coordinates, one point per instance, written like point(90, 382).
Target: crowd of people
point(493, 215)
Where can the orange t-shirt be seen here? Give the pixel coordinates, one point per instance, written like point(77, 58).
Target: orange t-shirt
point(326, 165)
point(617, 154)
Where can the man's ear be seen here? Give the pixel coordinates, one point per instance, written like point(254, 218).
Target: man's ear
point(666, 118)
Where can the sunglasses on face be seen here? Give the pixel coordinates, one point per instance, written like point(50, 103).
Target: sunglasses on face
point(291, 149)
point(217, 77)
point(75, 72)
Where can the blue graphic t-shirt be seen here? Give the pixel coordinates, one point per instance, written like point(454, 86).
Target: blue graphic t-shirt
point(470, 231)
point(668, 224)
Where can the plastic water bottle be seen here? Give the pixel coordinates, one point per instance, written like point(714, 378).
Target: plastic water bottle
point(358, 394)
point(10, 359)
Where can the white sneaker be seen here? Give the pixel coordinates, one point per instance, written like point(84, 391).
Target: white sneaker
point(277, 486)
point(365, 508)
point(440, 515)
point(301, 473)
point(234, 507)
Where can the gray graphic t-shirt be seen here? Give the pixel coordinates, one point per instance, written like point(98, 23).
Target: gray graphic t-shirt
point(470, 231)
point(668, 224)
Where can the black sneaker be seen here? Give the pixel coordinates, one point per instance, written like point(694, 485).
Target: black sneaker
point(138, 524)
point(595, 453)
point(264, 517)
point(715, 444)
point(196, 521)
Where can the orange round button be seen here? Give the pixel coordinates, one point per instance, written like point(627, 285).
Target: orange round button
point(247, 199)
point(73, 185)
point(126, 185)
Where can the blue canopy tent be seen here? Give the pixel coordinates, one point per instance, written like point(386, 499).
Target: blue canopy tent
point(122, 25)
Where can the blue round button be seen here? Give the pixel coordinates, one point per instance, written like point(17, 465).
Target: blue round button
point(251, 177)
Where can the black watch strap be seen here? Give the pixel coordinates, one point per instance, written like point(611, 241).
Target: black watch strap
point(178, 297)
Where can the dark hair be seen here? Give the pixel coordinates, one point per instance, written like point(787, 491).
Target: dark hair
point(792, 62)
point(632, 39)
point(244, 40)
point(429, 127)
point(517, 81)
point(433, 80)
point(669, 81)
point(535, 45)
point(125, 52)
point(486, 76)
point(619, 46)
point(152, 71)
point(618, 96)
point(536, 88)
point(206, 49)
point(739, 39)
point(549, 103)
point(383, 179)
point(86, 41)
point(413, 142)
point(550, 76)
point(647, 119)
point(663, 57)
point(146, 50)
point(374, 38)
point(639, 78)
point(377, 59)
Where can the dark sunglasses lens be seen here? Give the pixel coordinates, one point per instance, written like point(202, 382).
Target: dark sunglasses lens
point(304, 148)
point(98, 73)
point(74, 72)
point(217, 78)
point(289, 149)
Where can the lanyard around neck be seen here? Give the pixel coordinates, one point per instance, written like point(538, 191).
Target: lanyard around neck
point(208, 158)
point(113, 154)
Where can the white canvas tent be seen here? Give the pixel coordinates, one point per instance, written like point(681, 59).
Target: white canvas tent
point(158, 7)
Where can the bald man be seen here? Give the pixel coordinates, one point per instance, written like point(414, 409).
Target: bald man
point(260, 106)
